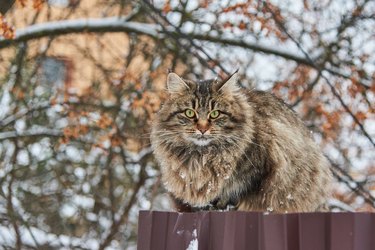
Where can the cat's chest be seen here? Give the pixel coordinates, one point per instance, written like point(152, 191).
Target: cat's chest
point(200, 179)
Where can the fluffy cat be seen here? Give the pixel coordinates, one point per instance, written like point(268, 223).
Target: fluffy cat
point(221, 145)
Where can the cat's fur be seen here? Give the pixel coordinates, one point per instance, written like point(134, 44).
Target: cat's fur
point(257, 155)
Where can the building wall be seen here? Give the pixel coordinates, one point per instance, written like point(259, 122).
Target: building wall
point(87, 55)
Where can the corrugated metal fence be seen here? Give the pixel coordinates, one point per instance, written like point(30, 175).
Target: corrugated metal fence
point(255, 231)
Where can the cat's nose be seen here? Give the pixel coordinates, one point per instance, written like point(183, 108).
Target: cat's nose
point(203, 130)
point(203, 126)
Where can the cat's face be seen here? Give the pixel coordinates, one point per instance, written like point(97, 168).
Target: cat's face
point(202, 114)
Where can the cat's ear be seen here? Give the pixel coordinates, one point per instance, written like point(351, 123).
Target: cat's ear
point(175, 84)
point(230, 84)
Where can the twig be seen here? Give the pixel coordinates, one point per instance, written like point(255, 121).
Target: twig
point(125, 214)
point(31, 133)
point(357, 188)
point(10, 209)
point(6, 5)
point(320, 69)
point(309, 88)
point(182, 35)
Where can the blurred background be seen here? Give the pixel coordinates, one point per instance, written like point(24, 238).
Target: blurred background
point(81, 80)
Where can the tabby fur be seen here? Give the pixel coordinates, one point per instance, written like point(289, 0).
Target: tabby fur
point(256, 156)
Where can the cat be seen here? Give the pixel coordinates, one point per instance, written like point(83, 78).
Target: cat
point(220, 145)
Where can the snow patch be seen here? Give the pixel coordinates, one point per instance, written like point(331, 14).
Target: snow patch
point(67, 210)
point(23, 158)
point(193, 245)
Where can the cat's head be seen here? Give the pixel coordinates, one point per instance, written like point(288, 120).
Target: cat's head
point(202, 114)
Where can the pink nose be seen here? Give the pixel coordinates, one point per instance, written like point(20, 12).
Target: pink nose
point(203, 126)
point(203, 129)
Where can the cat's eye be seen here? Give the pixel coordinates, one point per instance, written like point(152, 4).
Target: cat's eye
point(214, 114)
point(190, 113)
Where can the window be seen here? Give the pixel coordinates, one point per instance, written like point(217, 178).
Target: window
point(53, 76)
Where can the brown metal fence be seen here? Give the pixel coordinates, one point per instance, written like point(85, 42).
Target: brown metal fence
point(255, 231)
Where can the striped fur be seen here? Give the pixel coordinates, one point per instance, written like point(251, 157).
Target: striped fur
point(257, 155)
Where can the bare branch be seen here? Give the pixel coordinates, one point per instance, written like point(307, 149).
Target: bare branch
point(31, 133)
point(46, 105)
point(10, 208)
point(101, 25)
point(356, 187)
point(115, 24)
point(6, 5)
point(315, 65)
point(120, 24)
point(125, 213)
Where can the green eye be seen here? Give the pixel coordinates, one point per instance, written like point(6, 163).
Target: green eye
point(190, 113)
point(214, 114)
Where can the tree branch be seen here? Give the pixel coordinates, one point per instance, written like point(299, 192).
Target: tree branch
point(46, 105)
point(121, 24)
point(100, 25)
point(31, 133)
point(6, 5)
point(117, 24)
point(316, 66)
point(10, 208)
point(125, 213)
